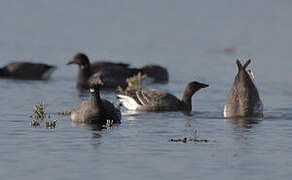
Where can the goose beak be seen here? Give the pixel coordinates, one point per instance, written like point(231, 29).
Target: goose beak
point(203, 85)
point(72, 62)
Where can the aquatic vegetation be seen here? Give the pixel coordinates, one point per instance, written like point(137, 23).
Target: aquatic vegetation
point(134, 83)
point(65, 112)
point(109, 124)
point(35, 123)
point(39, 111)
point(39, 115)
point(50, 124)
point(194, 139)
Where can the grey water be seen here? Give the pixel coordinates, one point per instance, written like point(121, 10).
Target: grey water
point(190, 39)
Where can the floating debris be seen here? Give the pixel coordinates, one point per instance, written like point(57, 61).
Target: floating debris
point(229, 50)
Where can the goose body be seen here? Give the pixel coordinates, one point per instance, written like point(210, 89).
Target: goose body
point(114, 74)
point(96, 110)
point(243, 98)
point(27, 70)
point(86, 112)
point(157, 100)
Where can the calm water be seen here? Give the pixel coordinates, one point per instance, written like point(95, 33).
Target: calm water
point(188, 38)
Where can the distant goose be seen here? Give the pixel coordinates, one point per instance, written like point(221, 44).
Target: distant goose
point(157, 100)
point(115, 74)
point(243, 98)
point(96, 110)
point(27, 70)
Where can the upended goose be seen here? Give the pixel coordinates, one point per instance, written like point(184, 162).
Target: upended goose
point(114, 74)
point(243, 98)
point(96, 110)
point(157, 100)
point(27, 70)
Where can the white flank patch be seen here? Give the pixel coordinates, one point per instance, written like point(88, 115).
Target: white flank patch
point(225, 111)
point(141, 101)
point(128, 102)
point(48, 73)
point(250, 73)
point(92, 90)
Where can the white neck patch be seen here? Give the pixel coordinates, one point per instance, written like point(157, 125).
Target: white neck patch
point(92, 90)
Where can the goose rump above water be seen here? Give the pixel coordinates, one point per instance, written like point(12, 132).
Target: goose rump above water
point(243, 98)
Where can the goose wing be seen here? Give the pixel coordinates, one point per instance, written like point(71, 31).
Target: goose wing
point(100, 65)
point(112, 113)
point(114, 77)
point(150, 100)
point(78, 114)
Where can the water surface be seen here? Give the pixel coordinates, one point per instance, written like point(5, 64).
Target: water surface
point(188, 38)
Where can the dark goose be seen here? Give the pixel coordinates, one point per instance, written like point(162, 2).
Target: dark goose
point(243, 98)
point(27, 70)
point(157, 100)
point(114, 74)
point(96, 110)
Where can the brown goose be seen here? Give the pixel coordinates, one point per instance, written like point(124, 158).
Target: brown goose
point(157, 100)
point(96, 110)
point(115, 74)
point(243, 98)
point(27, 70)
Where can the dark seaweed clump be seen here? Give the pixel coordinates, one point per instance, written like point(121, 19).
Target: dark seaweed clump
point(194, 139)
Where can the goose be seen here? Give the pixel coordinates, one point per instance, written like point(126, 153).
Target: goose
point(243, 98)
point(158, 100)
point(115, 74)
point(27, 70)
point(96, 110)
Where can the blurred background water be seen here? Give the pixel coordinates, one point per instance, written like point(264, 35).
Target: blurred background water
point(195, 40)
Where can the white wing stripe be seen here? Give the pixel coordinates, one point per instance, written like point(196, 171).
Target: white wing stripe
point(139, 97)
point(145, 97)
point(128, 102)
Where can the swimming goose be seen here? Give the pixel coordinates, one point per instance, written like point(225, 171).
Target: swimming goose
point(96, 110)
point(27, 70)
point(243, 98)
point(157, 100)
point(115, 74)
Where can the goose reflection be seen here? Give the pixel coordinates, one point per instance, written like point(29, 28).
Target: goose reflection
point(244, 122)
point(91, 127)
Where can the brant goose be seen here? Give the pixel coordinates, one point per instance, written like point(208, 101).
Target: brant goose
point(27, 70)
point(243, 98)
point(115, 74)
point(96, 110)
point(157, 100)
